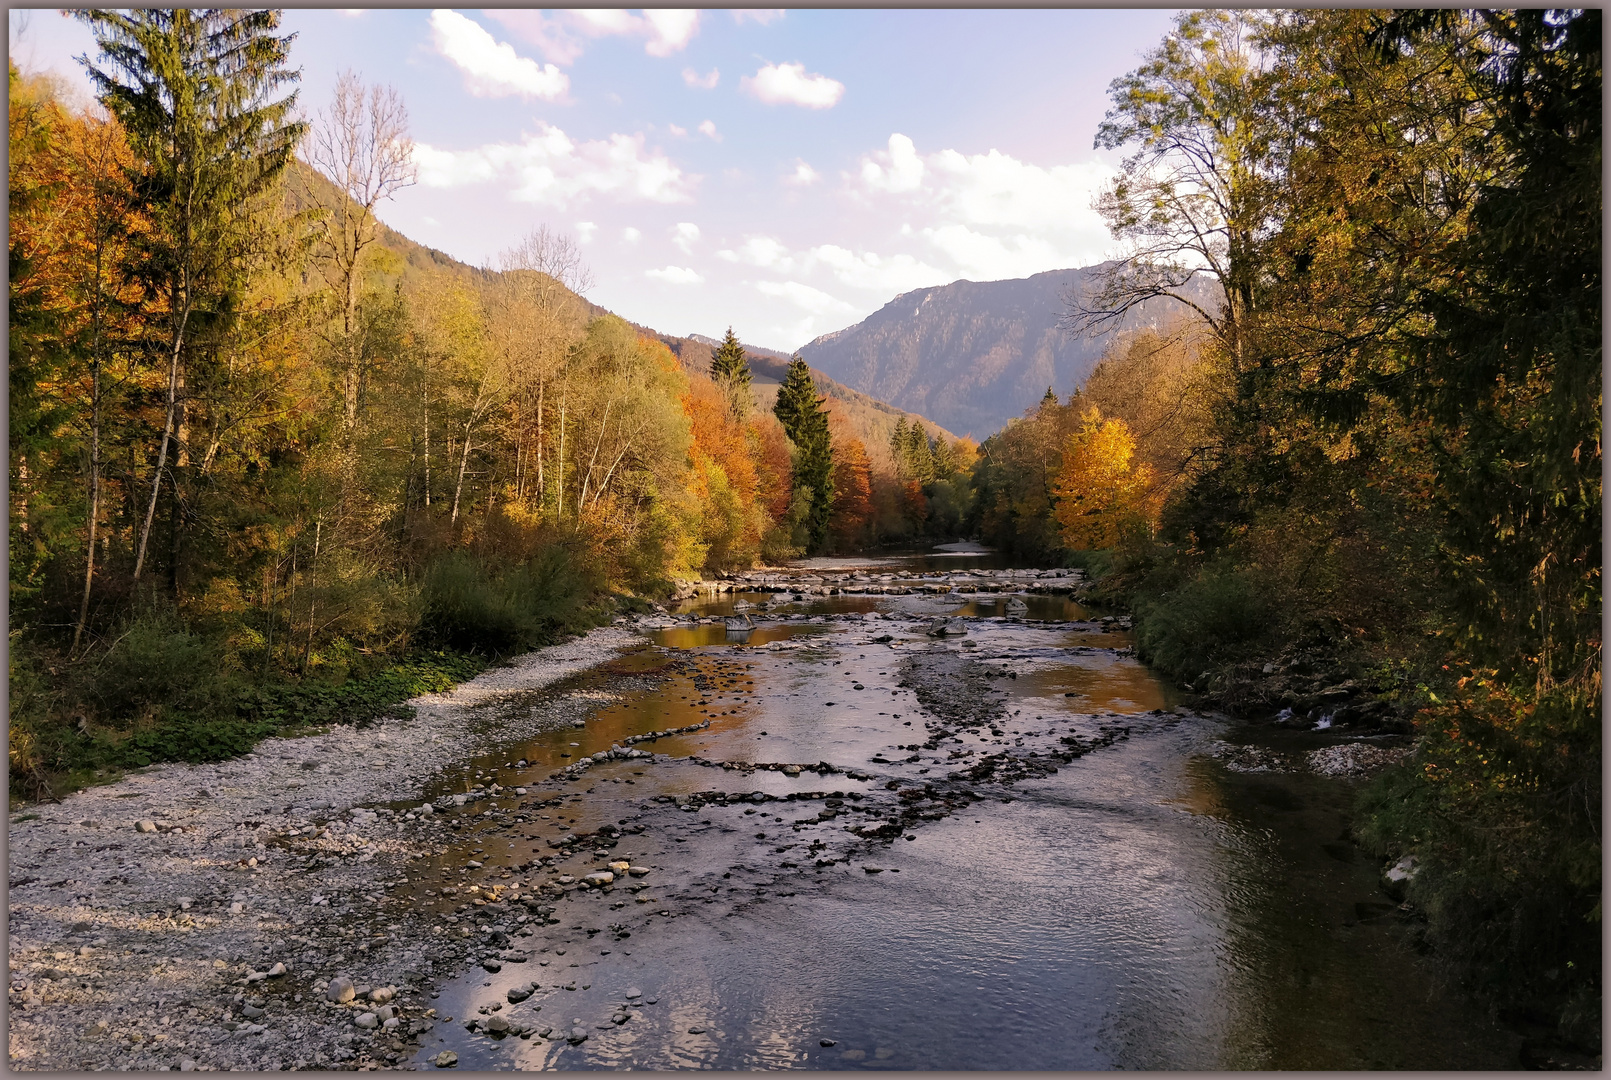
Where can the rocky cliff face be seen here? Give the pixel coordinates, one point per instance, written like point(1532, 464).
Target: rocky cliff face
point(973, 354)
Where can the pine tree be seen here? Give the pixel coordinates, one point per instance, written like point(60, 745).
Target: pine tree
point(897, 448)
point(804, 420)
point(730, 370)
point(194, 90)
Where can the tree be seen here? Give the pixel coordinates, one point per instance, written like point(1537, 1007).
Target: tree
point(1101, 496)
point(804, 420)
point(730, 370)
point(193, 90)
point(362, 145)
point(1198, 193)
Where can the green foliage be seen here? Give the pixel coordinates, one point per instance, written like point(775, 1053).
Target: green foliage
point(1221, 615)
point(730, 370)
point(804, 420)
point(471, 606)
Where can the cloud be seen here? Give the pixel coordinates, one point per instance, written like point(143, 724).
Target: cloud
point(804, 296)
point(629, 235)
point(788, 84)
point(766, 252)
point(673, 29)
point(803, 175)
point(708, 128)
point(585, 231)
point(684, 235)
point(991, 214)
point(759, 15)
point(677, 131)
point(891, 274)
point(676, 275)
point(550, 36)
point(701, 82)
point(894, 170)
point(491, 67)
point(550, 168)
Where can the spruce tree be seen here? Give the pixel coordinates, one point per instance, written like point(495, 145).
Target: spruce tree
point(194, 91)
point(804, 420)
point(730, 370)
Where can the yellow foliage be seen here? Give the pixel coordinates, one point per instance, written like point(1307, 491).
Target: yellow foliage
point(1101, 496)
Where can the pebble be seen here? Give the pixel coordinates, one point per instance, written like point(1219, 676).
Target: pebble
point(146, 825)
point(446, 1059)
point(577, 1036)
point(696, 1030)
point(492, 966)
point(367, 1021)
point(638, 871)
point(276, 971)
point(829, 1042)
point(518, 994)
point(598, 879)
point(634, 992)
point(340, 990)
point(187, 1065)
point(497, 1025)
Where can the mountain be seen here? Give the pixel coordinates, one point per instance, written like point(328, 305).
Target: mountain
point(974, 354)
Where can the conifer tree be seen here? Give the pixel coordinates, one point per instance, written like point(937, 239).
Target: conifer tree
point(730, 370)
point(804, 420)
point(193, 90)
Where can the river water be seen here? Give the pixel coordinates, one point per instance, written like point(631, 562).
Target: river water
point(1142, 906)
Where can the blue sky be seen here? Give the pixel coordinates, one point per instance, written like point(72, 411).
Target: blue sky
point(785, 172)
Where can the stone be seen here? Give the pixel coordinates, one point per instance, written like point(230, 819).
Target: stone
point(497, 1025)
point(187, 1065)
point(577, 1036)
point(633, 992)
point(638, 871)
point(696, 1030)
point(276, 971)
point(145, 826)
point(381, 995)
point(340, 990)
point(367, 1021)
point(791, 770)
point(445, 1060)
point(620, 867)
point(251, 1012)
point(492, 966)
point(518, 994)
point(828, 1042)
point(427, 810)
point(598, 879)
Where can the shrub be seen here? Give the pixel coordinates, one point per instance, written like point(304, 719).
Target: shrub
point(471, 605)
point(1216, 617)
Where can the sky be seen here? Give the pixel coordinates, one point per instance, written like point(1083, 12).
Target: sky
point(786, 173)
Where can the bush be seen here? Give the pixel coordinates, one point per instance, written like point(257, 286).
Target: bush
point(1217, 617)
point(473, 606)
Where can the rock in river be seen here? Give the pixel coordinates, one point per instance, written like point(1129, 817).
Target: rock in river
point(446, 1059)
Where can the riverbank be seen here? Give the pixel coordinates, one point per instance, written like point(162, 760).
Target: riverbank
point(141, 911)
point(654, 803)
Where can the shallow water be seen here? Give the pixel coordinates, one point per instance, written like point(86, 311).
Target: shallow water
point(1141, 907)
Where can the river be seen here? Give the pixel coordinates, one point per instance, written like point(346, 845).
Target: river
point(1011, 848)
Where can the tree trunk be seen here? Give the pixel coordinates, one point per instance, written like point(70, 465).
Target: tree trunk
point(458, 487)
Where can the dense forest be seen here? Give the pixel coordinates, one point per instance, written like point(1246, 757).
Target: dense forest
point(271, 468)
point(1379, 454)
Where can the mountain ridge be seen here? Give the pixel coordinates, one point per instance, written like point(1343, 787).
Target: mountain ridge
point(973, 355)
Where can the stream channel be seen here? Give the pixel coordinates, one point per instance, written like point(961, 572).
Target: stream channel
point(1011, 848)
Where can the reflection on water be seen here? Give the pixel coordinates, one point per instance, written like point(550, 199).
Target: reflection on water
point(1140, 908)
point(1051, 608)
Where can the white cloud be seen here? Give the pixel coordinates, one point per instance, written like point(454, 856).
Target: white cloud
point(676, 275)
point(585, 231)
point(891, 274)
point(677, 131)
point(673, 29)
point(629, 235)
point(491, 67)
point(766, 252)
point(991, 214)
point(684, 236)
point(759, 15)
point(701, 82)
point(803, 175)
point(708, 128)
point(668, 29)
point(894, 170)
point(549, 167)
point(804, 296)
point(788, 84)
point(559, 35)
point(992, 258)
